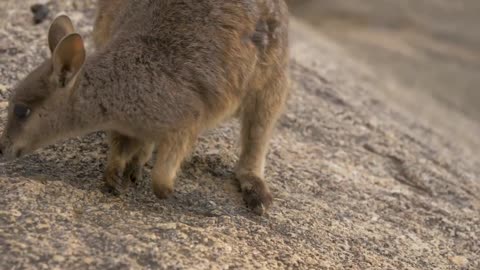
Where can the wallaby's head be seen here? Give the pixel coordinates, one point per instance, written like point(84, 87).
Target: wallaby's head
point(40, 99)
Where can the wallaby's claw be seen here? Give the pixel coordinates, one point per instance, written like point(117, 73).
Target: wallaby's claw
point(258, 200)
point(256, 194)
point(115, 182)
point(133, 172)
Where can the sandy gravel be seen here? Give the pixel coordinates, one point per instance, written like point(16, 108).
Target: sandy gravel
point(359, 182)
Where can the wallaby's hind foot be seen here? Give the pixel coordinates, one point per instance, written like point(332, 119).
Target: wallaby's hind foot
point(256, 193)
point(163, 189)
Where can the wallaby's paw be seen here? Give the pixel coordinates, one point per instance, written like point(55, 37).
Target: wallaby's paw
point(115, 182)
point(162, 191)
point(258, 200)
point(256, 194)
point(133, 172)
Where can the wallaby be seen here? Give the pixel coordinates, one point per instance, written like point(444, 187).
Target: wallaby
point(162, 72)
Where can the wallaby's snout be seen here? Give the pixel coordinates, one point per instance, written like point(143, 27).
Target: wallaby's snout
point(11, 149)
point(8, 150)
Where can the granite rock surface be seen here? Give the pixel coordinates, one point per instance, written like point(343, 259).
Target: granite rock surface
point(359, 182)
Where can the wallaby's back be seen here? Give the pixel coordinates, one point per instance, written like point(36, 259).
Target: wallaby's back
point(213, 51)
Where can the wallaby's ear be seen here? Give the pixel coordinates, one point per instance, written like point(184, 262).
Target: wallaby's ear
point(68, 58)
point(60, 27)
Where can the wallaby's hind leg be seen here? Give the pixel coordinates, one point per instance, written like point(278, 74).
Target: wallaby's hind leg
point(171, 151)
point(134, 167)
point(260, 113)
point(122, 150)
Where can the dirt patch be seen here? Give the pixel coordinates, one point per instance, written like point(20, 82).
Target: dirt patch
point(358, 183)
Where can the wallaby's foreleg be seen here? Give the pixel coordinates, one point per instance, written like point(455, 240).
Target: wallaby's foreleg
point(122, 150)
point(134, 167)
point(171, 151)
point(259, 115)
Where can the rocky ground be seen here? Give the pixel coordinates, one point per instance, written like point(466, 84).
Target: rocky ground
point(359, 181)
point(424, 46)
point(426, 53)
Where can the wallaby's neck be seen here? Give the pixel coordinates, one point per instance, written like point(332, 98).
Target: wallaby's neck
point(89, 106)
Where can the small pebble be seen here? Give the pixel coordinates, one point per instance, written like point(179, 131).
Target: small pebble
point(460, 261)
point(40, 13)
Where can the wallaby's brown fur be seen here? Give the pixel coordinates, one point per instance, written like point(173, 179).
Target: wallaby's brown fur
point(162, 72)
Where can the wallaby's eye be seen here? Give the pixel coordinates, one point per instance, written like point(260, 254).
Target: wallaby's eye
point(21, 111)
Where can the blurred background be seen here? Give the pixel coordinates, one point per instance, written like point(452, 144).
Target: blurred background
point(427, 47)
